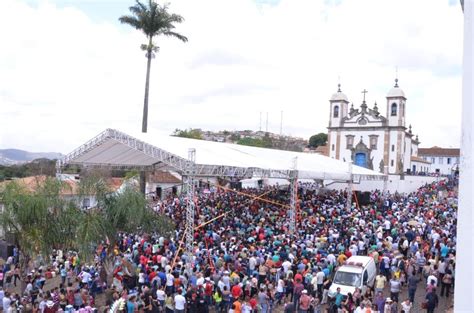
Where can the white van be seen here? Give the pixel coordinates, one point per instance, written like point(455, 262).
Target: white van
point(356, 272)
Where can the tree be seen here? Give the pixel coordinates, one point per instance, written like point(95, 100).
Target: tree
point(39, 220)
point(153, 20)
point(42, 220)
point(318, 140)
point(188, 133)
point(254, 142)
point(120, 212)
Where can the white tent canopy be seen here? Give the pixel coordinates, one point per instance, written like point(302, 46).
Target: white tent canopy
point(113, 148)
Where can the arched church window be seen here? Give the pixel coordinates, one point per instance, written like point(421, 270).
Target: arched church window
point(394, 109)
point(336, 111)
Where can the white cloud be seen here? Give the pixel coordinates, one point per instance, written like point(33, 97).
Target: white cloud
point(64, 77)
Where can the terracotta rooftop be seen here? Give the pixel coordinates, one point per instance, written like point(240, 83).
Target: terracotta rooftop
point(71, 186)
point(323, 150)
point(163, 177)
point(437, 151)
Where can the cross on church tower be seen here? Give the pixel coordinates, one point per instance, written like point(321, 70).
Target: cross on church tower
point(364, 92)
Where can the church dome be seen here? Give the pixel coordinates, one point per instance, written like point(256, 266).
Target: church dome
point(395, 91)
point(339, 95)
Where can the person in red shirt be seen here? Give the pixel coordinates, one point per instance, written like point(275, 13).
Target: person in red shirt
point(253, 303)
point(208, 289)
point(236, 291)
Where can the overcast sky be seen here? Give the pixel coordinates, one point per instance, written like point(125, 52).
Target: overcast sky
point(69, 69)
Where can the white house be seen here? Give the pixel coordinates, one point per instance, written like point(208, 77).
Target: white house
point(444, 161)
point(160, 184)
point(370, 139)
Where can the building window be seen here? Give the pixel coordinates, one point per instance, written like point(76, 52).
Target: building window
point(457, 160)
point(433, 161)
point(332, 148)
point(393, 148)
point(394, 109)
point(391, 163)
point(336, 111)
point(373, 142)
point(349, 141)
point(448, 160)
point(440, 160)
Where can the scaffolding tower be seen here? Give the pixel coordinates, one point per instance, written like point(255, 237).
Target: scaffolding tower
point(188, 180)
point(293, 196)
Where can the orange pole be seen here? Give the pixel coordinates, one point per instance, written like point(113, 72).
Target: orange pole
point(179, 249)
point(252, 196)
point(357, 200)
point(210, 221)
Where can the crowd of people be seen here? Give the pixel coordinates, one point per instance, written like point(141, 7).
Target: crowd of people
point(247, 260)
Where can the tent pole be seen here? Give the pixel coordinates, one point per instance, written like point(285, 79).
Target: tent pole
point(190, 207)
point(293, 196)
point(349, 188)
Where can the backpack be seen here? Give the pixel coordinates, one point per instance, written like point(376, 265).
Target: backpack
point(401, 265)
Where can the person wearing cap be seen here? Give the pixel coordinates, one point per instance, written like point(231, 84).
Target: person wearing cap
point(388, 306)
point(304, 302)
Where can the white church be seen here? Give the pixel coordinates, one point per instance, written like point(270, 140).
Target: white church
point(372, 140)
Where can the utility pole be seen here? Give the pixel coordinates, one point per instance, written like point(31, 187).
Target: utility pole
point(266, 127)
point(281, 124)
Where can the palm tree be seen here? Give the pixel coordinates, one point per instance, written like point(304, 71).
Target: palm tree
point(153, 20)
point(114, 213)
point(39, 220)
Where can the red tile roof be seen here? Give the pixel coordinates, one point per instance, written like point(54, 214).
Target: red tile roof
point(437, 151)
point(71, 187)
point(163, 177)
point(322, 150)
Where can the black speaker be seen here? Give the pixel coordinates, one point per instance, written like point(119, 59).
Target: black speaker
point(363, 198)
point(236, 185)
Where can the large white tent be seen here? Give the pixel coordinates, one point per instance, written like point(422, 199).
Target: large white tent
point(113, 148)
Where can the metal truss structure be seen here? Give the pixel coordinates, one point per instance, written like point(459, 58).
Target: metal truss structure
point(188, 179)
point(162, 159)
point(293, 197)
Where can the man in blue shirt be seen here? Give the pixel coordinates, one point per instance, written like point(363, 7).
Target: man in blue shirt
point(338, 297)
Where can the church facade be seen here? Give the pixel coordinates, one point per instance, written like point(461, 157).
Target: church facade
point(371, 139)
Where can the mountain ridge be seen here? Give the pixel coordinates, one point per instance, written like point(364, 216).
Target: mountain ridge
point(12, 156)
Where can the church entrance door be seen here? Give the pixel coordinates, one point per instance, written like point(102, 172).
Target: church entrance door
point(361, 159)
